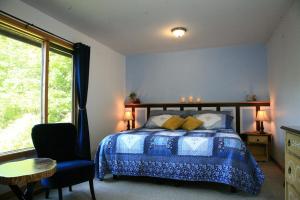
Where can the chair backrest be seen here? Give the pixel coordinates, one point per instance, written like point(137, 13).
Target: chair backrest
point(55, 141)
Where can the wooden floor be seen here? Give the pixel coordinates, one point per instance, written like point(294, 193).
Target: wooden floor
point(123, 189)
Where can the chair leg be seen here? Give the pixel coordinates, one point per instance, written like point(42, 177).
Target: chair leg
point(60, 194)
point(47, 193)
point(92, 189)
point(70, 188)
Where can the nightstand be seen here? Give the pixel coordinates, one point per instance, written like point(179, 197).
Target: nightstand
point(258, 144)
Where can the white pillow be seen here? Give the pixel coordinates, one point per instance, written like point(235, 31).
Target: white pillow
point(210, 120)
point(160, 119)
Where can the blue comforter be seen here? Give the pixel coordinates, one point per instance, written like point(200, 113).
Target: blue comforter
point(200, 155)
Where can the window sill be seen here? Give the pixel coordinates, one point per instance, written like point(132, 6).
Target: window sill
point(29, 152)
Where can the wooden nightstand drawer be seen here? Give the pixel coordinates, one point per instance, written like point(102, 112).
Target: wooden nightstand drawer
point(257, 139)
point(292, 171)
point(293, 143)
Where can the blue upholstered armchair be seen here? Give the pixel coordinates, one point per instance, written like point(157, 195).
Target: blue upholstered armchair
point(58, 142)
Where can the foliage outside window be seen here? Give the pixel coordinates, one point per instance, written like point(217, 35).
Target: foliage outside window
point(60, 87)
point(22, 86)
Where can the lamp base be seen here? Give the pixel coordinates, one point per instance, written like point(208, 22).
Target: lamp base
point(128, 125)
point(261, 128)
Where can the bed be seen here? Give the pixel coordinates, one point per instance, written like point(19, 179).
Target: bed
point(210, 155)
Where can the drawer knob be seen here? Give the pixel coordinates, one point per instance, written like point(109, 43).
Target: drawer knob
point(257, 140)
point(289, 170)
point(289, 142)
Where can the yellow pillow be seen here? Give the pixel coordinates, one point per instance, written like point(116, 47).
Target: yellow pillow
point(191, 123)
point(173, 123)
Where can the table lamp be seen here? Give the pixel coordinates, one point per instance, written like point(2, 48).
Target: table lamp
point(261, 117)
point(128, 117)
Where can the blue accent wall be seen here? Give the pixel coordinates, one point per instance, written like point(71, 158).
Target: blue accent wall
point(214, 74)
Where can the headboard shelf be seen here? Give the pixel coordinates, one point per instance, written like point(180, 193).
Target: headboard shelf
point(199, 106)
point(203, 104)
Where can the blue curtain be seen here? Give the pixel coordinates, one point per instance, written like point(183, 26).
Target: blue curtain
point(82, 65)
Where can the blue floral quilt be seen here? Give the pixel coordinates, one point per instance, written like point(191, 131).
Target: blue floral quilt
point(200, 155)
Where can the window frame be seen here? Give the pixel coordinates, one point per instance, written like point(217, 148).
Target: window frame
point(18, 26)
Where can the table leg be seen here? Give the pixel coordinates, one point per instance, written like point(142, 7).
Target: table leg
point(27, 195)
point(17, 191)
point(29, 191)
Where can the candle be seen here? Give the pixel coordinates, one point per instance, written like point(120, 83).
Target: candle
point(182, 99)
point(198, 100)
point(190, 99)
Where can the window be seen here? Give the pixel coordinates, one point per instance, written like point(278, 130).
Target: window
point(60, 86)
point(20, 92)
point(32, 91)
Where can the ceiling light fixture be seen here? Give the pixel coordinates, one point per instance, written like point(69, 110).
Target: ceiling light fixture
point(178, 32)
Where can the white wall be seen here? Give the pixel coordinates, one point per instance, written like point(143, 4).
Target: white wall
point(284, 77)
point(107, 71)
point(214, 74)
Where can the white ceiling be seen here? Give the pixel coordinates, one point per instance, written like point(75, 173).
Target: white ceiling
point(140, 26)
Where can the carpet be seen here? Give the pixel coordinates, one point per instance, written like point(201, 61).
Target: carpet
point(138, 189)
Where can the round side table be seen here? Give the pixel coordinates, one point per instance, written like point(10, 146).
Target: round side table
point(26, 172)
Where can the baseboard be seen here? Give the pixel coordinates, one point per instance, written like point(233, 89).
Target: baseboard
point(10, 194)
point(277, 163)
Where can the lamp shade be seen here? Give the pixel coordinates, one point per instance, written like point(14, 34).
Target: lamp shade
point(128, 116)
point(262, 116)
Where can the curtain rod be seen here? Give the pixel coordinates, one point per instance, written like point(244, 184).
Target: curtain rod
point(32, 25)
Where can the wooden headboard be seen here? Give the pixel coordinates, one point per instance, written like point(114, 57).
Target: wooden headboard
point(217, 105)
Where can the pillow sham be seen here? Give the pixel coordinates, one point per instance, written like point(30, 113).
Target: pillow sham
point(191, 123)
point(173, 123)
point(157, 121)
point(185, 113)
point(163, 113)
point(195, 112)
point(214, 120)
point(168, 112)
